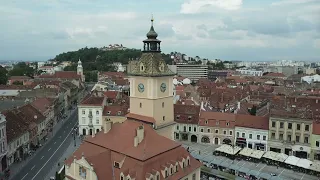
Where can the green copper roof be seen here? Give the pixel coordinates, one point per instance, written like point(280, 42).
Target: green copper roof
point(151, 63)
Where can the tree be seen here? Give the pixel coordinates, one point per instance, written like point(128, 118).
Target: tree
point(253, 110)
point(22, 69)
point(3, 75)
point(91, 76)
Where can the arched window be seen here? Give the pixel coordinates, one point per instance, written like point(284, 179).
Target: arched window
point(140, 105)
point(162, 104)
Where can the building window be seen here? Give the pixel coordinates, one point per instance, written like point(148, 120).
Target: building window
point(230, 133)
point(97, 112)
point(273, 124)
point(298, 127)
point(243, 135)
point(177, 127)
point(97, 121)
point(177, 117)
point(224, 132)
point(195, 129)
point(273, 135)
point(83, 112)
point(163, 118)
point(109, 112)
point(281, 124)
point(306, 139)
point(83, 120)
point(189, 129)
point(194, 177)
point(189, 118)
point(162, 104)
point(306, 127)
point(264, 138)
point(217, 131)
point(217, 123)
point(289, 125)
point(206, 122)
point(238, 134)
point(201, 130)
point(258, 137)
point(297, 138)
point(318, 143)
point(227, 124)
point(208, 130)
point(289, 138)
point(250, 136)
point(280, 136)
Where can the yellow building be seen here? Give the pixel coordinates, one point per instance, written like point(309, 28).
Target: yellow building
point(151, 88)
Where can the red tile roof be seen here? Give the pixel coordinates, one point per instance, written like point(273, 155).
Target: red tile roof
point(115, 110)
point(62, 75)
point(217, 119)
point(141, 118)
point(111, 94)
point(188, 114)
point(93, 101)
point(139, 162)
point(249, 121)
point(273, 74)
point(15, 126)
point(19, 77)
point(42, 104)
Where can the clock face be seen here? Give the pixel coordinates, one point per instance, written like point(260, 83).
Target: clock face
point(163, 87)
point(141, 87)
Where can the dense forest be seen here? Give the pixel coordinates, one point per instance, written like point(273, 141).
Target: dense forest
point(94, 59)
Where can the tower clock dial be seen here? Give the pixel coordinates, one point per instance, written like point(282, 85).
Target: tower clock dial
point(163, 87)
point(141, 87)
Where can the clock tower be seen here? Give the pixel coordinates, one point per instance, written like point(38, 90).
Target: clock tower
point(151, 88)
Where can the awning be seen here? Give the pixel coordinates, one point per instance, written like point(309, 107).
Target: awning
point(234, 167)
point(257, 154)
point(216, 162)
point(315, 166)
point(292, 160)
point(225, 164)
point(304, 163)
point(228, 149)
point(265, 176)
point(244, 170)
point(276, 178)
point(254, 173)
point(246, 152)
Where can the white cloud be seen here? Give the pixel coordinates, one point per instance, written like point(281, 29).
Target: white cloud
point(197, 6)
point(316, 44)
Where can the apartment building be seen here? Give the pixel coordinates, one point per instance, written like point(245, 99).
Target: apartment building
point(3, 143)
point(193, 72)
point(90, 115)
point(290, 134)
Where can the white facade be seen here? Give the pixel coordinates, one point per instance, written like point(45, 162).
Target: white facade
point(310, 79)
point(193, 72)
point(90, 119)
point(250, 72)
point(47, 69)
point(253, 137)
point(15, 144)
point(3, 137)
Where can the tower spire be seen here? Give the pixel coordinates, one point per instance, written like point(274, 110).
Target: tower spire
point(152, 20)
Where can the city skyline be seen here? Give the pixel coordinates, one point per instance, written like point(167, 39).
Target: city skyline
point(225, 29)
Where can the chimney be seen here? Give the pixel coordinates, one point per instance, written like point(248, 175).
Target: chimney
point(140, 135)
point(107, 125)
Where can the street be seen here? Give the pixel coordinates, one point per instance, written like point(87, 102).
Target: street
point(47, 158)
point(206, 151)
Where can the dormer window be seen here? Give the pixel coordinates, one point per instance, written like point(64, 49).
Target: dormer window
point(119, 113)
point(178, 117)
point(82, 172)
point(171, 170)
point(189, 118)
point(121, 177)
point(158, 177)
point(109, 112)
point(206, 122)
point(176, 168)
point(116, 165)
point(142, 68)
point(166, 173)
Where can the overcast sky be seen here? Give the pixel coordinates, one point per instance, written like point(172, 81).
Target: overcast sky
point(253, 30)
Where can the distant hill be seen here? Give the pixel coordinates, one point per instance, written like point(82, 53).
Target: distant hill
point(101, 60)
